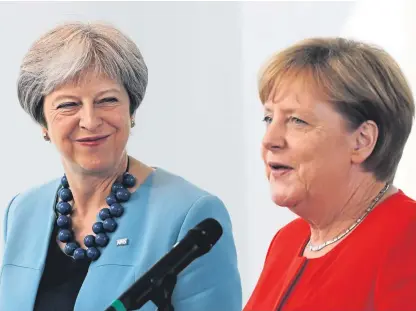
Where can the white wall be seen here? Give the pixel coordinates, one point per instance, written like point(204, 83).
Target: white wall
point(201, 117)
point(391, 25)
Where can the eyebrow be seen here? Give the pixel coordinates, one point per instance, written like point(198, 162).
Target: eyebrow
point(284, 110)
point(108, 91)
point(287, 110)
point(64, 96)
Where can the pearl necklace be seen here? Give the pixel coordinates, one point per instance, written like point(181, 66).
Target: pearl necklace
point(316, 248)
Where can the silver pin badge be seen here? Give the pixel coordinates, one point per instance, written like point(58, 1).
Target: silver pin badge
point(122, 242)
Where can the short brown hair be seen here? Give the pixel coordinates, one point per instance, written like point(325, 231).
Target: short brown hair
point(362, 81)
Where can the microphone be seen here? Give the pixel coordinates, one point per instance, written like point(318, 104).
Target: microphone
point(157, 284)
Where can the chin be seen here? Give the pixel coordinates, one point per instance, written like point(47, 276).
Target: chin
point(281, 201)
point(96, 165)
point(283, 197)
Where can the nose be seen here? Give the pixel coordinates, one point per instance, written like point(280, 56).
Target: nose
point(89, 118)
point(274, 138)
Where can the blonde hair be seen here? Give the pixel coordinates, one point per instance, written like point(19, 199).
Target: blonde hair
point(362, 81)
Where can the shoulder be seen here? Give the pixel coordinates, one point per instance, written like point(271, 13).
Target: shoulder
point(171, 185)
point(22, 203)
point(174, 203)
point(404, 207)
point(25, 198)
point(395, 218)
point(173, 193)
point(399, 219)
point(397, 256)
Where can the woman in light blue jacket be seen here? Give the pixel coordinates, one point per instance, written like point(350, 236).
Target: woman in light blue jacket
point(78, 242)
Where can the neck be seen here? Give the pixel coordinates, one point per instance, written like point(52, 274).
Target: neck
point(334, 215)
point(90, 190)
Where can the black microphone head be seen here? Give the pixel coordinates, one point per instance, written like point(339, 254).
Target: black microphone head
point(206, 234)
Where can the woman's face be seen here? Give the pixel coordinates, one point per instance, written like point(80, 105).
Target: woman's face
point(89, 122)
point(306, 147)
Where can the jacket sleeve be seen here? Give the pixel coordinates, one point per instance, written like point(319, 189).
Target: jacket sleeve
point(212, 281)
point(396, 282)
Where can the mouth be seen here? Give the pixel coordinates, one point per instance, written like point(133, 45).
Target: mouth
point(279, 169)
point(92, 140)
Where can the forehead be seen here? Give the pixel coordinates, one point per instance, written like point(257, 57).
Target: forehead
point(89, 82)
point(295, 94)
point(90, 79)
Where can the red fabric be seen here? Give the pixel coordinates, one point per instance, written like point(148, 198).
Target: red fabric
point(373, 268)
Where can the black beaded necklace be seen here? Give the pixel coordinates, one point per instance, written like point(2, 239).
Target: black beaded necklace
point(119, 194)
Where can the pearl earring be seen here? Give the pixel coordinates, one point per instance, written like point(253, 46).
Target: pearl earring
point(46, 137)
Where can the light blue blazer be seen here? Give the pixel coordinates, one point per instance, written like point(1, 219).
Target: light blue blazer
point(158, 215)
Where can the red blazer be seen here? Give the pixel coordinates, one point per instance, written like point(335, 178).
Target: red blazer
point(373, 268)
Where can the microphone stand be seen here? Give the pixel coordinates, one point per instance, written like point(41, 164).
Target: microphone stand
point(161, 293)
point(162, 296)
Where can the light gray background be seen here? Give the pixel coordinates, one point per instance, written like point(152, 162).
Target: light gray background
point(201, 117)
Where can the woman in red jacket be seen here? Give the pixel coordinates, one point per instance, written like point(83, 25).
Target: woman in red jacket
point(338, 115)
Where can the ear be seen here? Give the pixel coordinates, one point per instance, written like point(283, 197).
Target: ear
point(364, 141)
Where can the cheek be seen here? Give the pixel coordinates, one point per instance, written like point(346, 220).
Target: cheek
point(305, 148)
point(120, 121)
point(122, 126)
point(327, 159)
point(263, 156)
point(309, 156)
point(61, 128)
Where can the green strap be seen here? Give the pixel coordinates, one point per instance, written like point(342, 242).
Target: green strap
point(118, 305)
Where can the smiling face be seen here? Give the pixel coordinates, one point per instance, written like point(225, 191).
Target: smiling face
point(307, 149)
point(89, 122)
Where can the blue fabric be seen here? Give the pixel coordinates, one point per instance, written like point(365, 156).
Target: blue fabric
point(158, 215)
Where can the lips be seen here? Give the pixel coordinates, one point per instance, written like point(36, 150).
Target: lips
point(278, 170)
point(279, 166)
point(92, 138)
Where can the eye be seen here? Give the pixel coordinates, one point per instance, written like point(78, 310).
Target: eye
point(267, 119)
point(297, 121)
point(67, 105)
point(108, 100)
